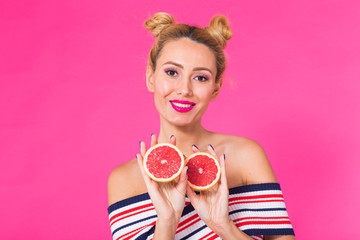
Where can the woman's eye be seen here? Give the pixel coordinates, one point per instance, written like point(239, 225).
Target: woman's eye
point(172, 73)
point(201, 78)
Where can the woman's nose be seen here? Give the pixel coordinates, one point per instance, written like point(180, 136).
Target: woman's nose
point(184, 87)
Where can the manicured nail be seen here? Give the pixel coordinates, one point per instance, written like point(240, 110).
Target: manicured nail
point(152, 134)
point(171, 136)
point(140, 143)
point(184, 155)
point(224, 156)
point(195, 146)
point(211, 147)
point(187, 170)
point(135, 155)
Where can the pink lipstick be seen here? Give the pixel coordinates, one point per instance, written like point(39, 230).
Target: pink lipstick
point(182, 105)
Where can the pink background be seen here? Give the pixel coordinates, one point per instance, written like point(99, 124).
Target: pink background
point(73, 105)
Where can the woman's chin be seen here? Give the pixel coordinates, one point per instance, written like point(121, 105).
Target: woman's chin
point(182, 122)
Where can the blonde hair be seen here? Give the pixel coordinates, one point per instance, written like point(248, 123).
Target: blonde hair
point(163, 27)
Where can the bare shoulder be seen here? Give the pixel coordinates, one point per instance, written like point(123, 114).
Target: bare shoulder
point(247, 159)
point(125, 181)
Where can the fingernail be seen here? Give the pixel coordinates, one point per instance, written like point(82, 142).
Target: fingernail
point(195, 146)
point(135, 155)
point(184, 155)
point(152, 134)
point(171, 136)
point(140, 143)
point(211, 146)
point(224, 156)
point(187, 170)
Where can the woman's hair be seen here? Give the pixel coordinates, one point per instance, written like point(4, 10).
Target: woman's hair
point(213, 36)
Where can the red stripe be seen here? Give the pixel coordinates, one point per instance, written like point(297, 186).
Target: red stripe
point(242, 219)
point(131, 215)
point(216, 236)
point(131, 236)
point(245, 218)
point(256, 196)
point(206, 235)
point(240, 224)
point(179, 230)
point(188, 220)
point(259, 236)
point(130, 210)
point(135, 231)
point(256, 201)
point(213, 237)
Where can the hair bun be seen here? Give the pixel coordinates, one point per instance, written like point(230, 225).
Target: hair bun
point(158, 23)
point(219, 29)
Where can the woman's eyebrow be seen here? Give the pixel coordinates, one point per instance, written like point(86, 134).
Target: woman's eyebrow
point(174, 63)
point(202, 68)
point(182, 67)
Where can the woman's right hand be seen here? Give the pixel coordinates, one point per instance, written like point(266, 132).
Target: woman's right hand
point(167, 198)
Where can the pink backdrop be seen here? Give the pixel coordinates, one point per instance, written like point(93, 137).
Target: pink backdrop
point(73, 105)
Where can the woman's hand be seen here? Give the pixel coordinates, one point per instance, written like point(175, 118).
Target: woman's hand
point(167, 198)
point(212, 205)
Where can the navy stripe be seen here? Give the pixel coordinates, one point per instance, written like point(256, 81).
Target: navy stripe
point(127, 225)
point(257, 210)
point(145, 235)
point(128, 201)
point(187, 209)
point(194, 232)
point(269, 232)
point(254, 187)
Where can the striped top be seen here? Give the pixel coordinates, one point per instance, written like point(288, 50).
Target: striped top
point(257, 210)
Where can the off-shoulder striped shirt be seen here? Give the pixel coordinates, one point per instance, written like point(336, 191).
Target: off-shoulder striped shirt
point(258, 210)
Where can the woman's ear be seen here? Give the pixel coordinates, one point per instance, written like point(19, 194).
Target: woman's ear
point(149, 79)
point(218, 86)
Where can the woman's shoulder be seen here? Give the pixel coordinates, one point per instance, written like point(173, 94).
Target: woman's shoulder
point(125, 181)
point(238, 145)
point(246, 158)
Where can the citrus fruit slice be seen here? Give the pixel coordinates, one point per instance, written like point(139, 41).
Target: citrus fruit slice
point(204, 171)
point(163, 162)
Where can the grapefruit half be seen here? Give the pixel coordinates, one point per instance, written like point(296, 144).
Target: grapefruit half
point(204, 171)
point(163, 162)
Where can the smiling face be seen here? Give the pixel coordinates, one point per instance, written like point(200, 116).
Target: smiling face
point(184, 81)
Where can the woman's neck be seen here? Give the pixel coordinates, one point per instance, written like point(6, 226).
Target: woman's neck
point(185, 136)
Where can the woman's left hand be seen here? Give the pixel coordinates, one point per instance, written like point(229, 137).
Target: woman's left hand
point(212, 205)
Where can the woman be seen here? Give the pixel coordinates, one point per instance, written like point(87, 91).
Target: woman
point(184, 74)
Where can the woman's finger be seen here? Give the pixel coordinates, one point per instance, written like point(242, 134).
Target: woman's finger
point(141, 167)
point(195, 148)
point(142, 148)
point(182, 181)
point(153, 139)
point(223, 180)
point(172, 140)
point(212, 150)
point(194, 199)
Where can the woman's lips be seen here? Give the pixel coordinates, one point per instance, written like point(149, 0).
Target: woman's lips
point(182, 105)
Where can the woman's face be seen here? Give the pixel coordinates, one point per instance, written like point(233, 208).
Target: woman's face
point(184, 81)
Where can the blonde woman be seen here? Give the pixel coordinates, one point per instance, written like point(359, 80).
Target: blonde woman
point(184, 74)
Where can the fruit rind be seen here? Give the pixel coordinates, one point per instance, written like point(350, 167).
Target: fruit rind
point(163, 179)
point(198, 188)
